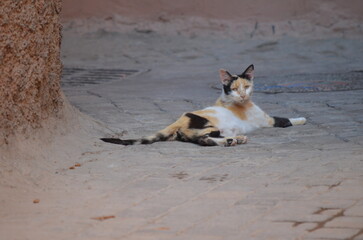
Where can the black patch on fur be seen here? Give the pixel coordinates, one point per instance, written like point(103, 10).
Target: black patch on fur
point(244, 74)
point(161, 137)
point(227, 87)
point(282, 122)
point(229, 141)
point(215, 134)
point(206, 141)
point(181, 137)
point(200, 140)
point(196, 121)
point(145, 141)
point(119, 141)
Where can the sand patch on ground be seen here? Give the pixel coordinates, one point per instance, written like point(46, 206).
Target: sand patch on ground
point(31, 164)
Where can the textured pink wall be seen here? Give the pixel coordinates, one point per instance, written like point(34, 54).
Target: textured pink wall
point(30, 64)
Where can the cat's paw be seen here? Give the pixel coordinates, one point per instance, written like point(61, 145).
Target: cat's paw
point(229, 142)
point(241, 139)
point(233, 141)
point(298, 121)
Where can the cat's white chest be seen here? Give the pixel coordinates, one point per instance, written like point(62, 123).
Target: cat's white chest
point(230, 125)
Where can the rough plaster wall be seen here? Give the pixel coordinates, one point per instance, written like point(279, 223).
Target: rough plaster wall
point(30, 64)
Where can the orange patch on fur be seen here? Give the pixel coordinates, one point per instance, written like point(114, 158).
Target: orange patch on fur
point(240, 109)
point(235, 85)
point(240, 81)
point(271, 121)
point(203, 112)
point(219, 103)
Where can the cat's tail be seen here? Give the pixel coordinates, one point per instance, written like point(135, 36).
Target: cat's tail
point(167, 134)
point(146, 140)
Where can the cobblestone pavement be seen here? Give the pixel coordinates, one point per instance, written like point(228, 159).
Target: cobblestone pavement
point(303, 182)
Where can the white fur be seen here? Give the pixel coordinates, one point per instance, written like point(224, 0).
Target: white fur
point(227, 98)
point(230, 125)
point(297, 121)
point(257, 116)
point(249, 91)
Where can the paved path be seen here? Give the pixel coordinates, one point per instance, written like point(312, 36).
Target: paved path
point(303, 182)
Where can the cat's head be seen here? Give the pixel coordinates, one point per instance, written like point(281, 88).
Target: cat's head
point(237, 88)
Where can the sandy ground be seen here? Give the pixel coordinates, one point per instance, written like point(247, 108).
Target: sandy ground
point(295, 183)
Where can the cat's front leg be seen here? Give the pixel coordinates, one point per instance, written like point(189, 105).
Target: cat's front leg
point(286, 122)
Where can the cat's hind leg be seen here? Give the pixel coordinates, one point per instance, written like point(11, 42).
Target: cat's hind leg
point(209, 137)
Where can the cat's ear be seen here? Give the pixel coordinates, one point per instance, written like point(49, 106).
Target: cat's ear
point(225, 76)
point(249, 73)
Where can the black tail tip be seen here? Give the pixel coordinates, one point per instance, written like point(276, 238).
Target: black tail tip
point(118, 141)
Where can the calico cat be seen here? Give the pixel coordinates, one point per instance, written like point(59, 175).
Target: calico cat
point(223, 124)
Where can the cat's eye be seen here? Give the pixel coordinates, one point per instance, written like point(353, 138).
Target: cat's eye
point(247, 87)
